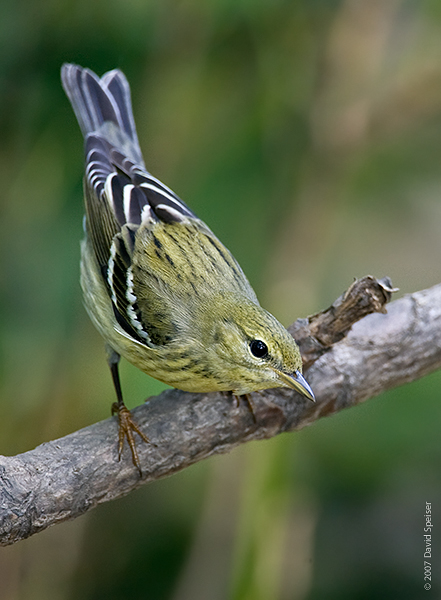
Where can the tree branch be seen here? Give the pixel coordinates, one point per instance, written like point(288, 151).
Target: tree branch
point(63, 479)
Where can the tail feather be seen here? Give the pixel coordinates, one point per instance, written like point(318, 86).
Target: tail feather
point(119, 88)
point(103, 105)
point(115, 172)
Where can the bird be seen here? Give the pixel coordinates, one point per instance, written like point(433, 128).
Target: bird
point(157, 283)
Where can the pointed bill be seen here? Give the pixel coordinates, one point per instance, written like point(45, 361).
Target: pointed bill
point(297, 382)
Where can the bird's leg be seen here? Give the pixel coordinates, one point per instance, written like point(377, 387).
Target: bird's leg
point(127, 426)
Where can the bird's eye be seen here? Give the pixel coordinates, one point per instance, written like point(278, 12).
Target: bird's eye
point(258, 349)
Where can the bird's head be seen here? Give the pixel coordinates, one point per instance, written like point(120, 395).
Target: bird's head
point(250, 349)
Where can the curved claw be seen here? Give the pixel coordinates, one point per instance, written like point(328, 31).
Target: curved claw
point(248, 400)
point(126, 427)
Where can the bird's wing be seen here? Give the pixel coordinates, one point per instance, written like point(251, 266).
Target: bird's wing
point(120, 194)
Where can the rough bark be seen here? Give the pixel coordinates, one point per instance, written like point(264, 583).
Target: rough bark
point(348, 360)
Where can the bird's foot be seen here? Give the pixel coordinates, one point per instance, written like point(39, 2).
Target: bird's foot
point(126, 428)
point(248, 400)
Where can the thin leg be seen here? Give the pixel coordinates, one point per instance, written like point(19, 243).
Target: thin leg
point(126, 424)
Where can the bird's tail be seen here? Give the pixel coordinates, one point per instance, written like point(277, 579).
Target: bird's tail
point(103, 106)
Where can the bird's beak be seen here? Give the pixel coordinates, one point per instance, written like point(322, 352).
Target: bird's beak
point(297, 382)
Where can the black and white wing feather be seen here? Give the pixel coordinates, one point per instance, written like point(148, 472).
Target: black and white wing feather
point(120, 194)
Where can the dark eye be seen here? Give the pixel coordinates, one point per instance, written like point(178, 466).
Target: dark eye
point(258, 349)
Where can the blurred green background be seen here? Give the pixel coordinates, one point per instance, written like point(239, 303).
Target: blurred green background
point(307, 133)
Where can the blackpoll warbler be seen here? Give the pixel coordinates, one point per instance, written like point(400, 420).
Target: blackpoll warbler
point(158, 285)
